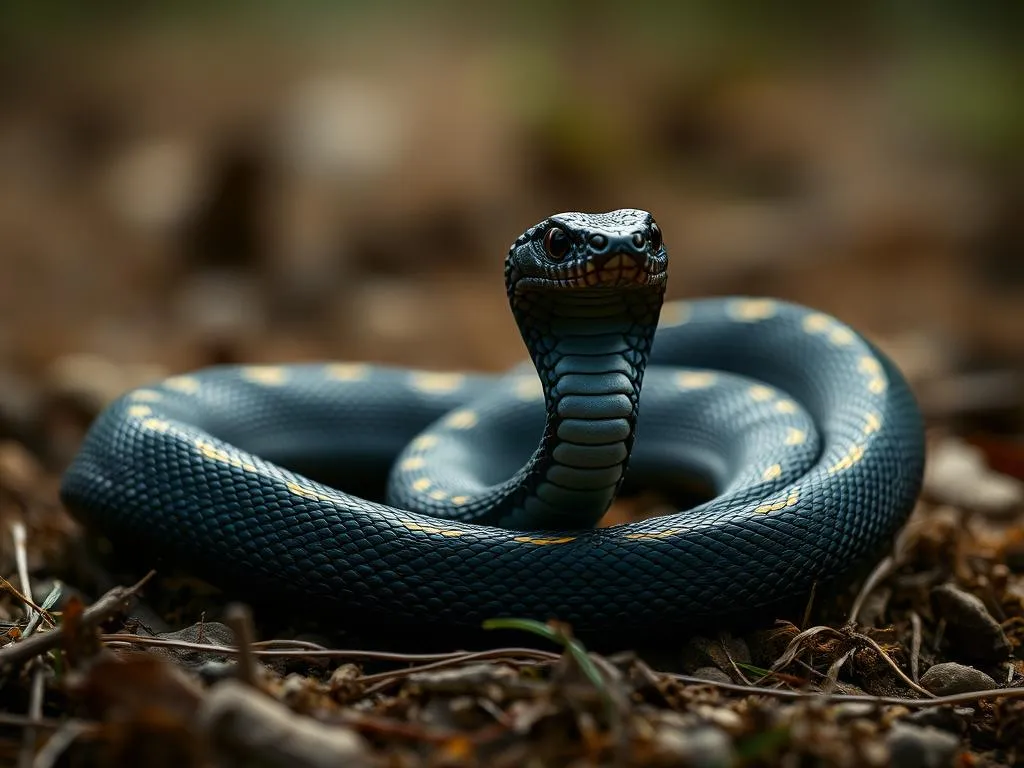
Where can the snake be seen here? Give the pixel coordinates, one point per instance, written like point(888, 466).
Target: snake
point(445, 498)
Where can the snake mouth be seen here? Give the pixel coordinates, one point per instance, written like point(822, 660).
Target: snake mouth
point(622, 270)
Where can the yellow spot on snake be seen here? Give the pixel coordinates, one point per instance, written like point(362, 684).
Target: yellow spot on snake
point(421, 485)
point(868, 364)
point(695, 380)
point(841, 336)
point(760, 393)
point(458, 501)
point(816, 322)
point(461, 420)
point(268, 375)
point(750, 310)
point(529, 388)
point(779, 504)
point(438, 495)
point(436, 383)
point(413, 526)
point(655, 534)
point(214, 453)
point(185, 384)
point(873, 368)
point(348, 371)
point(413, 462)
point(674, 313)
point(309, 493)
point(774, 471)
point(157, 425)
point(540, 541)
point(145, 396)
point(423, 442)
point(855, 454)
point(795, 436)
point(138, 411)
point(785, 406)
point(873, 423)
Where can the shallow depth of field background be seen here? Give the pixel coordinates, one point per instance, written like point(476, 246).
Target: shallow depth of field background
point(284, 181)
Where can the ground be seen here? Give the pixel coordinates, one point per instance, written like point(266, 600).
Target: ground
point(178, 193)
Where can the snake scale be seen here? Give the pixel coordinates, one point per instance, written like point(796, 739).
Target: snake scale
point(808, 438)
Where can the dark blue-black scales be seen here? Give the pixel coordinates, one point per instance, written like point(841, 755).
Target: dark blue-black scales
point(807, 435)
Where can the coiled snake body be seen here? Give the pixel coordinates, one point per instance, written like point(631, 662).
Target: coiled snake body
point(809, 437)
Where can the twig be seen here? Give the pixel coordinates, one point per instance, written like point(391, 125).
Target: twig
point(20, 537)
point(22, 597)
point(59, 742)
point(383, 680)
point(239, 618)
point(24, 721)
point(305, 649)
point(880, 572)
point(35, 711)
point(782, 693)
point(915, 644)
point(894, 666)
point(114, 601)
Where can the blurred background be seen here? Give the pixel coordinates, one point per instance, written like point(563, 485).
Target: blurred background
point(189, 183)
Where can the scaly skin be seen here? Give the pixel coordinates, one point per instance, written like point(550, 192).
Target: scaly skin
point(809, 436)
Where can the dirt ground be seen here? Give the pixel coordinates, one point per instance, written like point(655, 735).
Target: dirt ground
point(176, 193)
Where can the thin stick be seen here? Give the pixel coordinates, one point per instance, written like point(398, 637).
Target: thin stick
point(110, 604)
point(35, 711)
point(239, 618)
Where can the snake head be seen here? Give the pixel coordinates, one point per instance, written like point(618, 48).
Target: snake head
point(621, 249)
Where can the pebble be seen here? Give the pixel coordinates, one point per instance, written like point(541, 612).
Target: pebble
point(720, 652)
point(950, 678)
point(913, 746)
point(970, 628)
point(246, 727)
point(956, 473)
point(714, 674)
point(700, 746)
point(951, 719)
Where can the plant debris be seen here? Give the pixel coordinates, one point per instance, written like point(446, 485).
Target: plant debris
point(171, 201)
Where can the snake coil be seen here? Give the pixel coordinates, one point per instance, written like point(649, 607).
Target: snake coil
point(808, 436)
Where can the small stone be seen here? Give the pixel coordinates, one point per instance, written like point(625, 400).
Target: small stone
point(951, 678)
point(698, 746)
point(854, 710)
point(957, 474)
point(722, 652)
point(950, 719)
point(971, 629)
point(712, 674)
point(245, 727)
point(911, 746)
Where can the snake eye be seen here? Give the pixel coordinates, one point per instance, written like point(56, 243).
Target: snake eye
point(657, 240)
point(557, 243)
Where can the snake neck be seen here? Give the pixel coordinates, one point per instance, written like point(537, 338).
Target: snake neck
point(590, 349)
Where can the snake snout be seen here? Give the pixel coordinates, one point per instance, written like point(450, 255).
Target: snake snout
point(616, 268)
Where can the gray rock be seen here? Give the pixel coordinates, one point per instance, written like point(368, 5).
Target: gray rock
point(971, 629)
point(911, 746)
point(713, 674)
point(702, 746)
point(950, 678)
point(951, 719)
point(246, 727)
